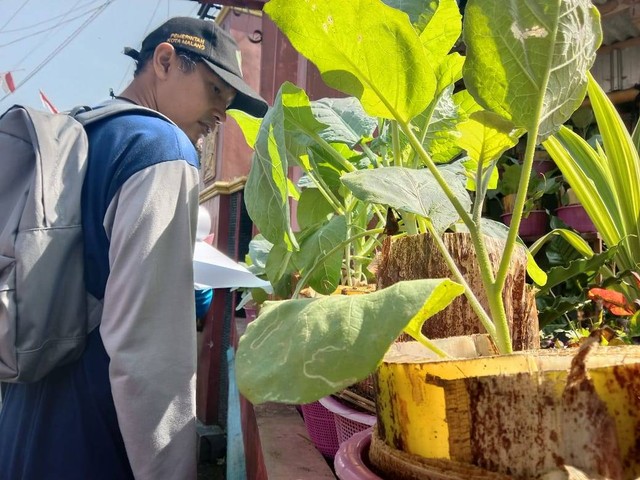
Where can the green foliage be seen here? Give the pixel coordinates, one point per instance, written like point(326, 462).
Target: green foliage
point(605, 180)
point(302, 350)
point(526, 64)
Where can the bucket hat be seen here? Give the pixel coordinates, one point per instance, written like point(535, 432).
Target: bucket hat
point(218, 51)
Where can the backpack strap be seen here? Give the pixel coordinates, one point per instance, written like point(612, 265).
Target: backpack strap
point(87, 115)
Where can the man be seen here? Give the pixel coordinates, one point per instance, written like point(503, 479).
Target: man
point(126, 408)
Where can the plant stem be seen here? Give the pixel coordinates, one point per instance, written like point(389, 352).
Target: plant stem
point(410, 224)
point(347, 253)
point(334, 153)
point(321, 259)
point(473, 300)
point(324, 189)
point(372, 156)
point(395, 142)
point(518, 208)
point(428, 343)
point(475, 229)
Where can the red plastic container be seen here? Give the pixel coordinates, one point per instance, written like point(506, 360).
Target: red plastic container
point(576, 217)
point(535, 225)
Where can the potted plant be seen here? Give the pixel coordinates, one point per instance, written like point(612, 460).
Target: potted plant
point(535, 220)
point(318, 346)
point(573, 214)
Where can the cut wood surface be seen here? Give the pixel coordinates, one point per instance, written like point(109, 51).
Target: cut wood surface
point(416, 256)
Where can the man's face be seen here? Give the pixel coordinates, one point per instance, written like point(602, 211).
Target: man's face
point(196, 100)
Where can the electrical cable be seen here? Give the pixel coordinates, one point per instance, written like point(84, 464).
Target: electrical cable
point(26, 37)
point(36, 46)
point(14, 15)
point(61, 46)
point(146, 30)
point(50, 19)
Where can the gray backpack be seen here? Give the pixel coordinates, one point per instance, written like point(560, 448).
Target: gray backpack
point(45, 310)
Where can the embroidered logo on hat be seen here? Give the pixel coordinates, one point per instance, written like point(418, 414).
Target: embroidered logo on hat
point(186, 40)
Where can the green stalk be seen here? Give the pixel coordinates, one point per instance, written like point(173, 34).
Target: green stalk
point(413, 162)
point(334, 153)
point(473, 300)
point(484, 263)
point(418, 336)
point(518, 209)
point(321, 259)
point(347, 253)
point(410, 224)
point(372, 156)
point(495, 301)
point(325, 190)
point(395, 142)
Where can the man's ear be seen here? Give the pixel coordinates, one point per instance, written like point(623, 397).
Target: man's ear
point(163, 56)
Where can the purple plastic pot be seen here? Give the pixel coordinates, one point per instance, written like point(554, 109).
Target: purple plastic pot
point(576, 217)
point(351, 460)
point(535, 225)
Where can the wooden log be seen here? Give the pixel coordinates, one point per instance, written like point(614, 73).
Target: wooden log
point(416, 256)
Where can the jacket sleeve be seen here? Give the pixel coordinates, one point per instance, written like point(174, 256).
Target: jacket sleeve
point(148, 321)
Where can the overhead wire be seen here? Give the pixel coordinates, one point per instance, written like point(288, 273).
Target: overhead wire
point(50, 19)
point(61, 46)
point(14, 15)
point(64, 15)
point(49, 29)
point(146, 30)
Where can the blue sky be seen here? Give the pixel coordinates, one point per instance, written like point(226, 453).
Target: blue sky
point(72, 49)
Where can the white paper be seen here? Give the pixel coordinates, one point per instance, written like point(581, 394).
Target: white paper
point(214, 269)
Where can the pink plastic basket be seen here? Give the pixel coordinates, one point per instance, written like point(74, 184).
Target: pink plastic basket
point(321, 426)
point(348, 421)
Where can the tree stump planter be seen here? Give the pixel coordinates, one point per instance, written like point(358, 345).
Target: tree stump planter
point(520, 415)
point(416, 256)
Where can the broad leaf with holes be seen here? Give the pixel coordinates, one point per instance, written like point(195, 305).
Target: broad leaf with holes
point(298, 351)
point(527, 61)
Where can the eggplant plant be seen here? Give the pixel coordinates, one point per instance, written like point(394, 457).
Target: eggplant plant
point(524, 72)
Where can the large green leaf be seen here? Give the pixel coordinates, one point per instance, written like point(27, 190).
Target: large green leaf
point(413, 191)
point(312, 208)
point(363, 48)
point(414, 8)
point(442, 31)
point(345, 118)
point(284, 134)
point(326, 270)
point(249, 125)
point(298, 351)
point(486, 136)
point(527, 60)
